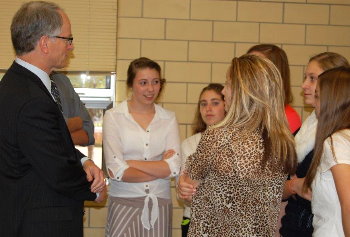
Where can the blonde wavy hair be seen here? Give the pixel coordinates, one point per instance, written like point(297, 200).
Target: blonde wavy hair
point(258, 103)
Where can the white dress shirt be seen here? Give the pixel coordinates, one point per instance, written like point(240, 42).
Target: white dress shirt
point(325, 202)
point(124, 139)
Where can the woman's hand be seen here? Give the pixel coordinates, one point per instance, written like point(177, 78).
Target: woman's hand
point(168, 154)
point(296, 185)
point(186, 187)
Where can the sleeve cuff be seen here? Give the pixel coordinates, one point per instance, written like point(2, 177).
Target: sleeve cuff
point(118, 169)
point(174, 163)
point(82, 160)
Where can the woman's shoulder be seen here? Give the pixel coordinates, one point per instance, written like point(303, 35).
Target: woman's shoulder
point(120, 108)
point(189, 145)
point(164, 113)
point(194, 139)
point(336, 149)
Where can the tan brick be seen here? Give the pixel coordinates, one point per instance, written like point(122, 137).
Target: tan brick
point(122, 68)
point(175, 201)
point(187, 72)
point(236, 31)
point(174, 93)
point(296, 75)
point(328, 35)
point(98, 217)
point(285, 0)
point(213, 10)
point(282, 33)
point(182, 129)
point(306, 13)
point(176, 232)
point(184, 112)
point(189, 129)
point(297, 95)
point(129, 8)
point(340, 15)
point(189, 30)
point(164, 50)
point(86, 217)
point(128, 48)
point(193, 92)
point(211, 51)
point(121, 91)
point(329, 1)
point(94, 232)
point(260, 12)
point(166, 9)
point(141, 28)
point(242, 48)
point(345, 51)
point(177, 217)
point(300, 54)
point(219, 72)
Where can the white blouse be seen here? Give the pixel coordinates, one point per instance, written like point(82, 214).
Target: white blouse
point(124, 139)
point(325, 202)
point(188, 147)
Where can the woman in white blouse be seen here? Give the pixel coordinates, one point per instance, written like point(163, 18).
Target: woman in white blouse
point(141, 148)
point(329, 173)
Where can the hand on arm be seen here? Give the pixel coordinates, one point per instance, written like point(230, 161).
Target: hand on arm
point(94, 175)
point(341, 175)
point(102, 196)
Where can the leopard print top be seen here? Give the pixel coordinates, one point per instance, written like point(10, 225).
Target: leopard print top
point(236, 196)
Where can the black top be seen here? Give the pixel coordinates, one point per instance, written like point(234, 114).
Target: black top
point(298, 218)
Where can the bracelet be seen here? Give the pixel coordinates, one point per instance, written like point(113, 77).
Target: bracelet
point(289, 186)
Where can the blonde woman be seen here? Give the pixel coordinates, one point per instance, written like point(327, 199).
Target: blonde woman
point(242, 163)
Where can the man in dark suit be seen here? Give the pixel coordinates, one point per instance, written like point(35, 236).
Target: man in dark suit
point(43, 178)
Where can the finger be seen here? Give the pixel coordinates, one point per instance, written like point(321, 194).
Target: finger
point(88, 175)
point(98, 180)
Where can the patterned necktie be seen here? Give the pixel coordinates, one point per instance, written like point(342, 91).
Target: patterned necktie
point(56, 94)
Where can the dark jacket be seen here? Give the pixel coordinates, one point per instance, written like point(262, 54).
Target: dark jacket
point(41, 177)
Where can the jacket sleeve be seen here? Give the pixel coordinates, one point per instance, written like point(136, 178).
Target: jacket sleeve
point(45, 141)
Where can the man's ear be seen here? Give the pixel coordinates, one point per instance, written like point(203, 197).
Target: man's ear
point(43, 44)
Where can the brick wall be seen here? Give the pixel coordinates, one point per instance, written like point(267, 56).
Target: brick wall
point(194, 41)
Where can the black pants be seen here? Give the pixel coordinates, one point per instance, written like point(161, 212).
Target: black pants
point(185, 224)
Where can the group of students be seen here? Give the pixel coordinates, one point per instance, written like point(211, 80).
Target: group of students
point(242, 160)
point(233, 173)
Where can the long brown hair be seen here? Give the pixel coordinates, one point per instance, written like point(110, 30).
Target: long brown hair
point(199, 125)
point(258, 103)
point(334, 114)
point(279, 57)
point(328, 60)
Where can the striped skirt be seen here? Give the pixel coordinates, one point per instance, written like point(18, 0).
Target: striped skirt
point(124, 218)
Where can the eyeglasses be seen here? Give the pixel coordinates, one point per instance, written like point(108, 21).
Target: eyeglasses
point(68, 39)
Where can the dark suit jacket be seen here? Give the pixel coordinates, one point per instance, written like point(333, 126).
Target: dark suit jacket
point(42, 181)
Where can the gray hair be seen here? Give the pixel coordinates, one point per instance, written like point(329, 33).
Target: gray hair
point(32, 21)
